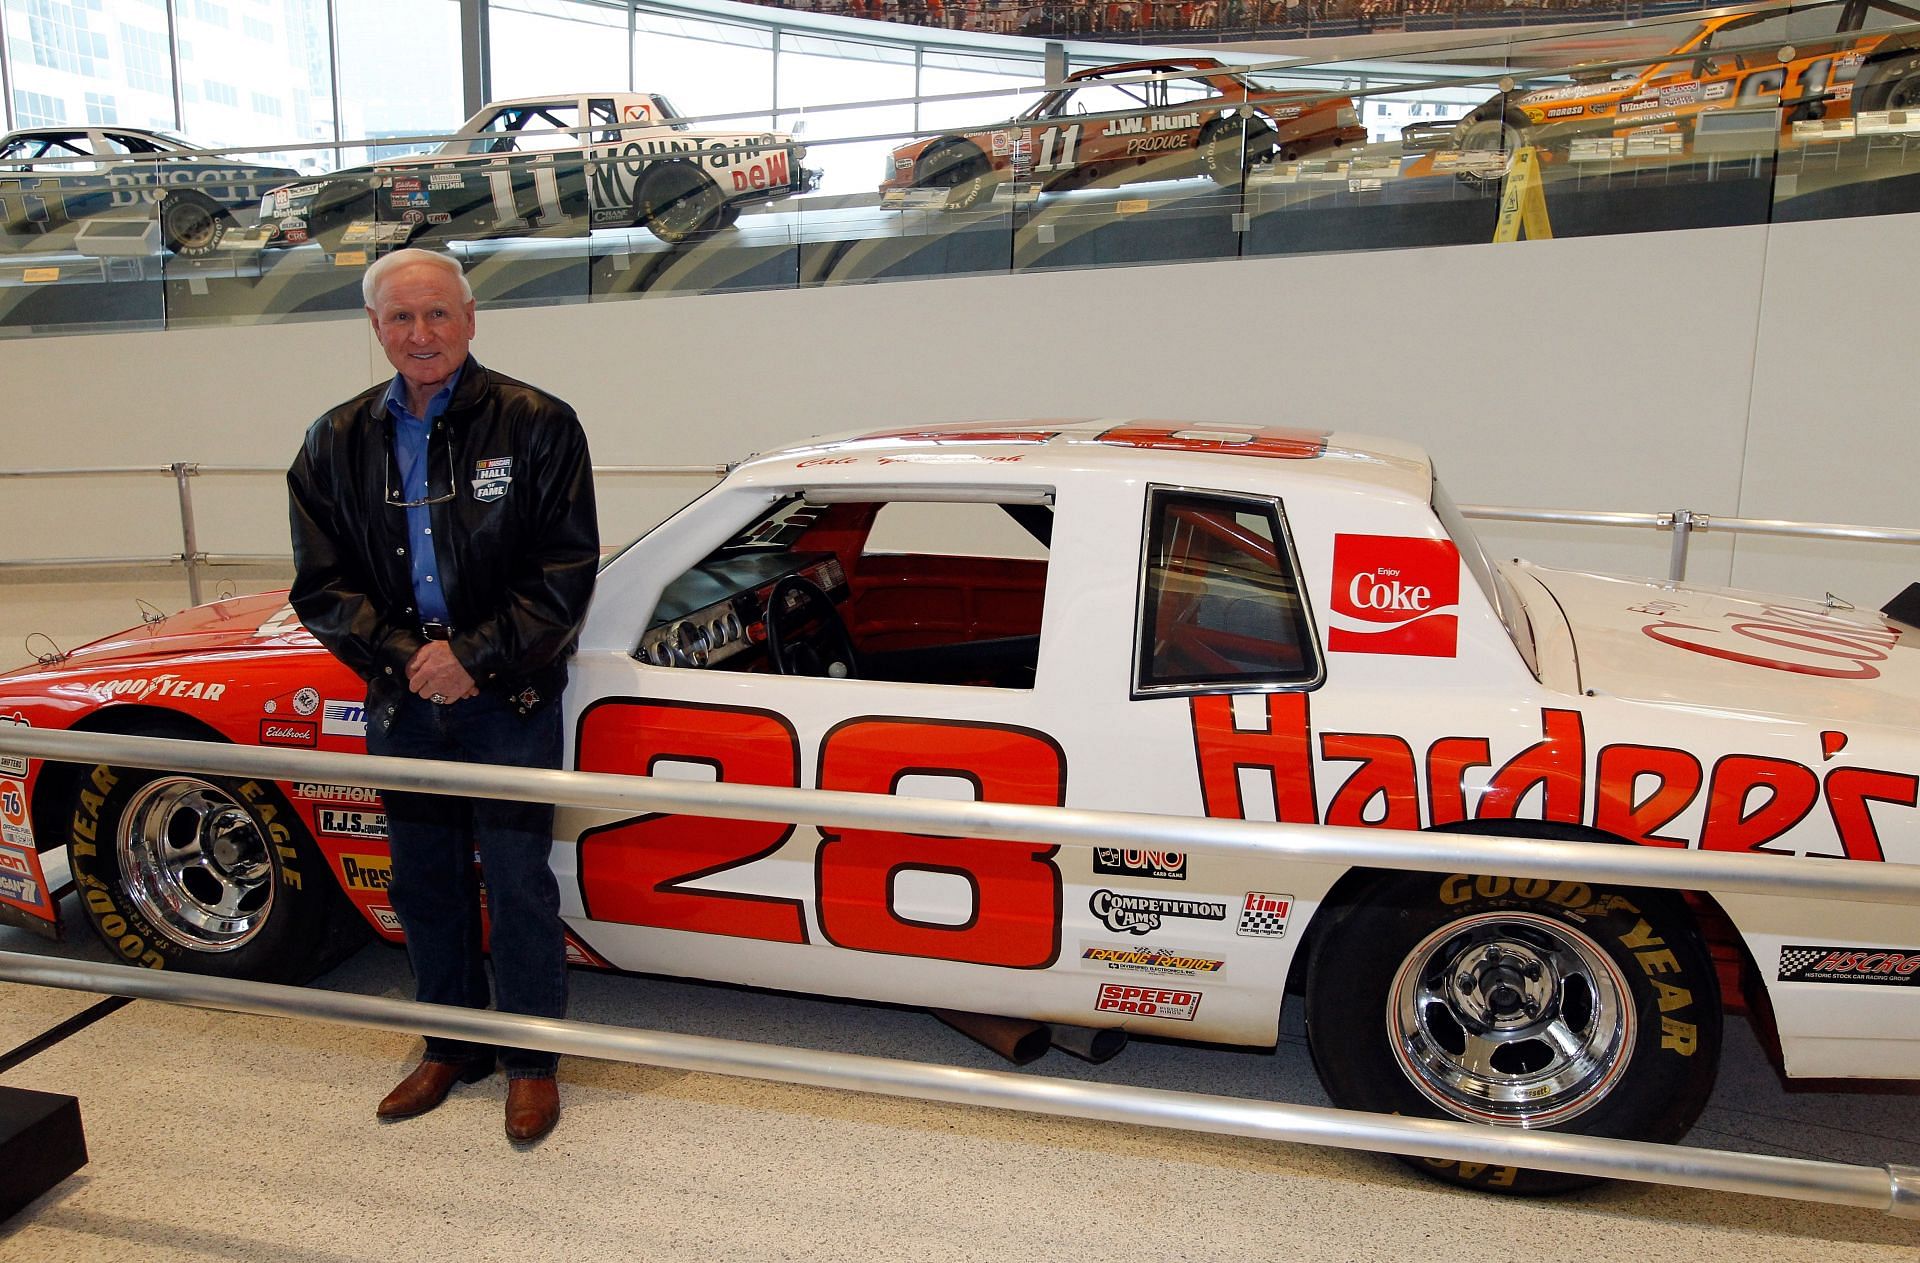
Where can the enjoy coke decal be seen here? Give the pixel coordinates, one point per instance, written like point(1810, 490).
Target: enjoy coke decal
point(1393, 594)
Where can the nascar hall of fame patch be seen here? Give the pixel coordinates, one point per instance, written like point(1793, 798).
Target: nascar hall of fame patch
point(491, 478)
point(1263, 915)
point(1874, 966)
point(1114, 861)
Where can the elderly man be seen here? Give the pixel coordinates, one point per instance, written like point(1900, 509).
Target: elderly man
point(445, 544)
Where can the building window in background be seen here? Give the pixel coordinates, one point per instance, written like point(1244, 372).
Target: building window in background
point(37, 109)
point(101, 109)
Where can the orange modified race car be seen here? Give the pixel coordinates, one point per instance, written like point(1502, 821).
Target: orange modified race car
point(1136, 120)
point(1810, 62)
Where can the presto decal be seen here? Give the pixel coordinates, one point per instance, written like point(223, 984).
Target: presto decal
point(1743, 802)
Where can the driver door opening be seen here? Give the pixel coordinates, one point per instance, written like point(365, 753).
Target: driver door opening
point(935, 587)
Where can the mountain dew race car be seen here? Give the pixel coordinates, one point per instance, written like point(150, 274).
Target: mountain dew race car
point(547, 166)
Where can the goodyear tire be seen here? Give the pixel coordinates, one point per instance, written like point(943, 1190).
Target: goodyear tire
point(1228, 150)
point(202, 874)
point(677, 202)
point(191, 225)
point(1487, 147)
point(1516, 1002)
point(1896, 87)
point(961, 169)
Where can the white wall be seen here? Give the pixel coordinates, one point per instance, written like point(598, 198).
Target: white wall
point(1756, 371)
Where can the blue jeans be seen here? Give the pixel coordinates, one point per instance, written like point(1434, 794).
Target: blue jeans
point(434, 891)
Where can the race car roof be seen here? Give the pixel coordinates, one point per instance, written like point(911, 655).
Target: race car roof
point(1136, 447)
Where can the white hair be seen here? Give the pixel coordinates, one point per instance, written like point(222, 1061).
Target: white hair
point(370, 283)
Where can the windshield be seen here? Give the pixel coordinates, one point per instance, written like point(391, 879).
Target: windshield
point(1500, 594)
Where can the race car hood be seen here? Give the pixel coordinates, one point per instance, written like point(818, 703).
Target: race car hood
point(1736, 651)
point(249, 623)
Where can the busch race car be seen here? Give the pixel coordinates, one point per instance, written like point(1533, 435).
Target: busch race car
point(1257, 624)
point(1133, 121)
point(53, 178)
point(547, 165)
point(1808, 61)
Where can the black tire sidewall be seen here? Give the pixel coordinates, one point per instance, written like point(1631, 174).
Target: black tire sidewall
point(1647, 934)
point(179, 245)
point(286, 949)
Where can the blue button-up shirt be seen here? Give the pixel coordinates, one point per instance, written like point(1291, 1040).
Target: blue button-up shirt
point(413, 458)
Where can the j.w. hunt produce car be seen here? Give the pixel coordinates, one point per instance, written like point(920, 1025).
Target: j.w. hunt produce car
point(548, 165)
point(1138, 120)
point(1145, 616)
point(1808, 61)
point(52, 179)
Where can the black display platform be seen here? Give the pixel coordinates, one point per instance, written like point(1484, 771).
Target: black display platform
point(41, 1144)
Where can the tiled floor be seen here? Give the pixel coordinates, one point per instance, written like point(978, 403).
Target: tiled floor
point(223, 1137)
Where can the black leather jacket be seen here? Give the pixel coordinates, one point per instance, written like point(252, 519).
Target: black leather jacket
point(518, 566)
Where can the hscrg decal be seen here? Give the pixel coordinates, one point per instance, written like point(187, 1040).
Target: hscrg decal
point(1114, 861)
point(1116, 997)
point(869, 886)
point(1870, 965)
point(1631, 791)
point(1141, 914)
point(1395, 595)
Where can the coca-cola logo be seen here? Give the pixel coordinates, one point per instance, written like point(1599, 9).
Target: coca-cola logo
point(1779, 638)
point(1392, 594)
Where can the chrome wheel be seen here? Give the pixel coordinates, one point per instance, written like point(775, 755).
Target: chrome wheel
point(1511, 1018)
point(195, 863)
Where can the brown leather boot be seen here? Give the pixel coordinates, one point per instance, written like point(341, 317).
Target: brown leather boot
point(533, 1107)
point(428, 1085)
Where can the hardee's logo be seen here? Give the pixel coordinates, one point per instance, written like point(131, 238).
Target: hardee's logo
point(1393, 594)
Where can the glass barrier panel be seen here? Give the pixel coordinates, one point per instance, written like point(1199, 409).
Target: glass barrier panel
point(79, 246)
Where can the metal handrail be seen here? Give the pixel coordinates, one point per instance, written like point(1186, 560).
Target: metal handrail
point(1682, 522)
point(1313, 844)
point(1892, 1188)
point(1895, 1189)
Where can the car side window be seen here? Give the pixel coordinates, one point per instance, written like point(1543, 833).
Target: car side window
point(1221, 601)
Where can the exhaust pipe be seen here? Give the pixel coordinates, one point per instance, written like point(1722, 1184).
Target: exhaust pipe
point(1090, 1043)
point(1016, 1038)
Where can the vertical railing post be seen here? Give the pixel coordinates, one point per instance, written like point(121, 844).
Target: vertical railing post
point(1685, 522)
point(183, 472)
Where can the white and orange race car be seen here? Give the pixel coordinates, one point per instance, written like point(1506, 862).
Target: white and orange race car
point(1256, 624)
point(1808, 61)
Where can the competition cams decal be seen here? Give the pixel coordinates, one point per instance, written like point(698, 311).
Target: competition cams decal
point(1141, 914)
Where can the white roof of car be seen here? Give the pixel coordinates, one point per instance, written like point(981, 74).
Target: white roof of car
point(1148, 447)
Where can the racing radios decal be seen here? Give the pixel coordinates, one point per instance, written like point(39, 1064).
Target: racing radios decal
point(1873, 966)
point(637, 871)
point(1636, 790)
point(1394, 594)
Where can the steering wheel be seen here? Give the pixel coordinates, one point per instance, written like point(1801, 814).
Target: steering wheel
point(828, 651)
